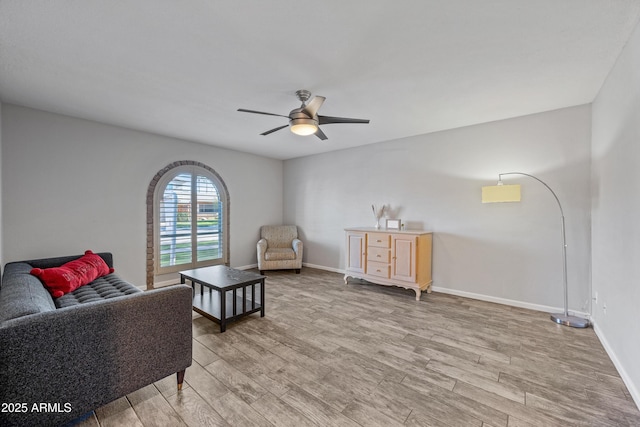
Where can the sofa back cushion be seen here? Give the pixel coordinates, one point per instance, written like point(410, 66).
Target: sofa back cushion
point(21, 293)
point(58, 261)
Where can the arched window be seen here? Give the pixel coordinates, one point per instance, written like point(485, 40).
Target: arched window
point(190, 219)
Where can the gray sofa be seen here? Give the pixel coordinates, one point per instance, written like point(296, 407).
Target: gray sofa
point(62, 358)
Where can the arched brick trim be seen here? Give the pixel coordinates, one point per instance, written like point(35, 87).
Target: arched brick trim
point(150, 214)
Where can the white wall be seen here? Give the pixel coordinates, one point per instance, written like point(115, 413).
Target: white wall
point(71, 185)
point(616, 214)
point(1, 253)
point(505, 252)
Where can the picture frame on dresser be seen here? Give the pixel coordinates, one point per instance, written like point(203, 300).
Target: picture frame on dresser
point(394, 224)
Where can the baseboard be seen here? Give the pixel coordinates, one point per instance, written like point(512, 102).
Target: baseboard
point(505, 301)
point(633, 390)
point(177, 279)
point(246, 267)
point(304, 264)
point(166, 283)
point(322, 267)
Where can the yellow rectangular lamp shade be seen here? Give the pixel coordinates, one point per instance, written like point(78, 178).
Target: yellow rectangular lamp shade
point(501, 193)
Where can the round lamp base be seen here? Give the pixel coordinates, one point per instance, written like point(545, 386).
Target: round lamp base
point(573, 321)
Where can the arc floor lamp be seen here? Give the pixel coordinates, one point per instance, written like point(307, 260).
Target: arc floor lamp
point(511, 193)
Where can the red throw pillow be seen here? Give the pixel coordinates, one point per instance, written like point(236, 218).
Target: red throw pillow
point(70, 276)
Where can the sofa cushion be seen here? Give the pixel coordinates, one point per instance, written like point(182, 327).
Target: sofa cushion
point(105, 287)
point(72, 275)
point(22, 294)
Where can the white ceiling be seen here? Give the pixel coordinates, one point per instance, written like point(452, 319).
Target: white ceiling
point(183, 68)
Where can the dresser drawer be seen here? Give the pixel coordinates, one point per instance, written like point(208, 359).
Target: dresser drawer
point(379, 240)
point(378, 254)
point(379, 269)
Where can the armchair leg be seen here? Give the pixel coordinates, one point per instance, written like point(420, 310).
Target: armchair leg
point(180, 376)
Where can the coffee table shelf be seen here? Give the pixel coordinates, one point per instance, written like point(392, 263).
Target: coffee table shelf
point(208, 305)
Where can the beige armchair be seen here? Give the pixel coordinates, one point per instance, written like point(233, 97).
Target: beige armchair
point(279, 248)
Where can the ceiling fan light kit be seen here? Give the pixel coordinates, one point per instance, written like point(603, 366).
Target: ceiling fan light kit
point(305, 120)
point(303, 127)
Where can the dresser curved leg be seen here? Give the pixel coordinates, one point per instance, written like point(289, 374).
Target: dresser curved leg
point(418, 293)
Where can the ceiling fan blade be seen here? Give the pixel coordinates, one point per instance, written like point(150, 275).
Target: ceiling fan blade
point(326, 120)
point(274, 129)
point(311, 109)
point(260, 112)
point(320, 134)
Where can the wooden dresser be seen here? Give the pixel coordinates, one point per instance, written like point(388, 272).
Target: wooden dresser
point(389, 257)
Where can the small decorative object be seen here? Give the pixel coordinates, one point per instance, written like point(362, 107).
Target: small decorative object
point(378, 213)
point(394, 224)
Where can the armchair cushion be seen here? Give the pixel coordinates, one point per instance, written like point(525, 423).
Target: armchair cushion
point(279, 236)
point(279, 254)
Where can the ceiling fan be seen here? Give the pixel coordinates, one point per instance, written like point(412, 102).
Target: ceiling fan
point(306, 120)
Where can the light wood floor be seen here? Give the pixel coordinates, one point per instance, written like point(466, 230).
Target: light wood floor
point(365, 355)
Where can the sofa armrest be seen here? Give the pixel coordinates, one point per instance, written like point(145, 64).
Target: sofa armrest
point(85, 356)
point(297, 247)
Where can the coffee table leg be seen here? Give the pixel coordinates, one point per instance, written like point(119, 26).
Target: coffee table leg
point(262, 298)
point(253, 296)
point(223, 311)
point(193, 286)
point(244, 300)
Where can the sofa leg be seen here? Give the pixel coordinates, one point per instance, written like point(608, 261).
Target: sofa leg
point(180, 376)
point(297, 271)
point(262, 272)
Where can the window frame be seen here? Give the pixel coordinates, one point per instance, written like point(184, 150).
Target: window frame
point(194, 170)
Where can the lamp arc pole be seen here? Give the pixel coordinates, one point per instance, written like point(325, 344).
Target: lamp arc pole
point(560, 318)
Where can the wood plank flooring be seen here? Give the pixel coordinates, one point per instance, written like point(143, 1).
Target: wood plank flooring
point(330, 354)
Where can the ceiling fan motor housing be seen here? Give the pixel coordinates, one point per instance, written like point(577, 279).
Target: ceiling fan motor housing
point(303, 95)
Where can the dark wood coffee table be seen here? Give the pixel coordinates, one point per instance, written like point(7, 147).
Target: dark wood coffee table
point(223, 306)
